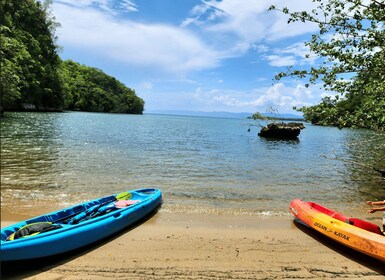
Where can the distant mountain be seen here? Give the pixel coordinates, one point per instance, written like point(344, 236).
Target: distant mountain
point(219, 114)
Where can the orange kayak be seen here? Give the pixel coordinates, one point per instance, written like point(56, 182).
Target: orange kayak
point(357, 234)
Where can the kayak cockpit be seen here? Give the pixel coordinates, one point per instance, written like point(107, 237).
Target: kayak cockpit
point(365, 225)
point(362, 224)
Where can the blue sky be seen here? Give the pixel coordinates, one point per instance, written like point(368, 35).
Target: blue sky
point(190, 54)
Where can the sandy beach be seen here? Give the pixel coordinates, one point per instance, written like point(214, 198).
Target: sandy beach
point(195, 246)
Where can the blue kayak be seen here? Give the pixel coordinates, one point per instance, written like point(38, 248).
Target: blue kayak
point(74, 227)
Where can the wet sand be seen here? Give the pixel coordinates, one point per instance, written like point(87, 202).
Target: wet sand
point(196, 246)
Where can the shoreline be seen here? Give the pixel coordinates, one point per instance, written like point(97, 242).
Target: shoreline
point(204, 246)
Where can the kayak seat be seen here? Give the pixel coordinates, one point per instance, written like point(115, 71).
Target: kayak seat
point(365, 225)
point(32, 229)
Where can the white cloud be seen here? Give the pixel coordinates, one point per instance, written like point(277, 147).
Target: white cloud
point(234, 27)
point(260, 48)
point(77, 3)
point(295, 54)
point(276, 60)
point(301, 51)
point(278, 96)
point(250, 20)
point(150, 45)
point(129, 5)
point(110, 6)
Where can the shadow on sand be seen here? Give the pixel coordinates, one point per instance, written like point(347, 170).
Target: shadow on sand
point(29, 268)
point(351, 254)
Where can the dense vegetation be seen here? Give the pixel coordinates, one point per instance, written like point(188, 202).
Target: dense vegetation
point(29, 61)
point(33, 76)
point(89, 89)
point(351, 41)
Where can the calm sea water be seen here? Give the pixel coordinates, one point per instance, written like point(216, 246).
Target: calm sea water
point(201, 164)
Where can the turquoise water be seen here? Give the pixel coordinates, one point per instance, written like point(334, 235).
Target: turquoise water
point(201, 164)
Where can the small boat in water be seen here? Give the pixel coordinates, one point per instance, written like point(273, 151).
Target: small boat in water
point(357, 234)
point(74, 227)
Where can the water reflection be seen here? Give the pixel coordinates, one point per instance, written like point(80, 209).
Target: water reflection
point(365, 153)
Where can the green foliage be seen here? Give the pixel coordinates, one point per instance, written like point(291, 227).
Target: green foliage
point(90, 89)
point(351, 41)
point(28, 56)
point(258, 116)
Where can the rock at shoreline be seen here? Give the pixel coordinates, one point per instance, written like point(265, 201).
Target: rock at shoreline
point(281, 130)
